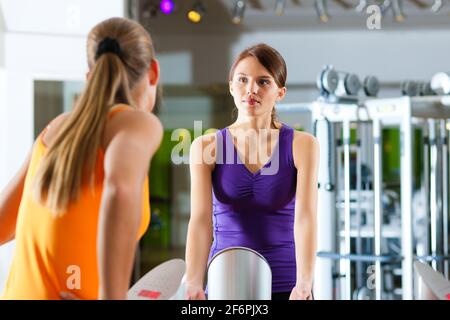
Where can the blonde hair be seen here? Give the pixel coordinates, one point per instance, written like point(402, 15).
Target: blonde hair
point(70, 160)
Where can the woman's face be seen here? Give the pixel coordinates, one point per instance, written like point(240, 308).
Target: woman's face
point(254, 89)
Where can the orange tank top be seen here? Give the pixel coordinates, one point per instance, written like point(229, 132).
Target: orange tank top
point(55, 254)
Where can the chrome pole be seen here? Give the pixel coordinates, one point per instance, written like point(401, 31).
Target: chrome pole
point(433, 190)
point(359, 272)
point(347, 244)
point(445, 172)
point(406, 198)
point(377, 189)
point(426, 183)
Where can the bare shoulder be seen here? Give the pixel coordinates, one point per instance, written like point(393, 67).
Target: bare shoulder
point(136, 119)
point(59, 119)
point(53, 128)
point(203, 141)
point(305, 148)
point(137, 123)
point(203, 150)
point(304, 140)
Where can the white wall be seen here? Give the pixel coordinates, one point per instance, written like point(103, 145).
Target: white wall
point(391, 56)
point(2, 40)
point(37, 48)
point(60, 58)
point(43, 39)
point(68, 17)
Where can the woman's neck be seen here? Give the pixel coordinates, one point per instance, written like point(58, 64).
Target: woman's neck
point(256, 123)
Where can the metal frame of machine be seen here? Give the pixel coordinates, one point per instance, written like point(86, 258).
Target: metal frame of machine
point(430, 113)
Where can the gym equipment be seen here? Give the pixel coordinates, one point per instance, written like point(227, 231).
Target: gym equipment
point(371, 86)
point(239, 273)
point(410, 88)
point(417, 88)
point(436, 287)
point(343, 87)
point(352, 85)
point(370, 223)
point(425, 89)
point(164, 282)
point(440, 83)
point(327, 81)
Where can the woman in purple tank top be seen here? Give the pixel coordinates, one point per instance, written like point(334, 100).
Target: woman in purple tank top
point(254, 183)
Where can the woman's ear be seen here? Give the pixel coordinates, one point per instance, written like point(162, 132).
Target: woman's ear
point(153, 72)
point(281, 93)
point(230, 87)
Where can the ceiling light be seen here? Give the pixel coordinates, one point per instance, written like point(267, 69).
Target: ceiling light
point(361, 5)
point(238, 14)
point(197, 12)
point(279, 7)
point(321, 9)
point(166, 6)
point(385, 6)
point(437, 5)
point(398, 11)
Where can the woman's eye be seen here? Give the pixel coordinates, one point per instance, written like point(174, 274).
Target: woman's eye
point(242, 79)
point(264, 82)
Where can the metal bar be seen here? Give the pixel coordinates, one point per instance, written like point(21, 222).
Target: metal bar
point(337, 129)
point(445, 171)
point(377, 190)
point(439, 180)
point(359, 272)
point(347, 244)
point(385, 259)
point(406, 198)
point(326, 211)
point(426, 183)
point(433, 190)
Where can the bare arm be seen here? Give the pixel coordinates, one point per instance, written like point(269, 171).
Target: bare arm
point(199, 237)
point(306, 158)
point(10, 198)
point(126, 164)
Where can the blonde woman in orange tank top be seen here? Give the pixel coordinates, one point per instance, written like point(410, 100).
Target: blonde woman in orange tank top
point(80, 202)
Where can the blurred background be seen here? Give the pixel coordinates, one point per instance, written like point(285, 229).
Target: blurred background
point(339, 54)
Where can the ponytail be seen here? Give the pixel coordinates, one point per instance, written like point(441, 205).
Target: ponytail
point(71, 159)
point(274, 119)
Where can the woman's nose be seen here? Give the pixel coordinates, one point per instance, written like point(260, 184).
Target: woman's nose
point(252, 87)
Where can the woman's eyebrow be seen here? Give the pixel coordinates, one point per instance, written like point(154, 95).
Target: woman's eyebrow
point(259, 77)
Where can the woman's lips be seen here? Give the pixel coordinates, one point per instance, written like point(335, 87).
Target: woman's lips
point(251, 102)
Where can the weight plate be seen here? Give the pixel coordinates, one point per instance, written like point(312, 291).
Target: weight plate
point(410, 88)
point(371, 86)
point(440, 83)
point(329, 80)
point(352, 84)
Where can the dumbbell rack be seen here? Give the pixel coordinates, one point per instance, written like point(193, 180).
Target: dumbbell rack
point(406, 113)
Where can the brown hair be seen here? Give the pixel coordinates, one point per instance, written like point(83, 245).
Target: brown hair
point(270, 59)
point(71, 158)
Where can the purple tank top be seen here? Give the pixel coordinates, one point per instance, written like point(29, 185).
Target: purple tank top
point(256, 210)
